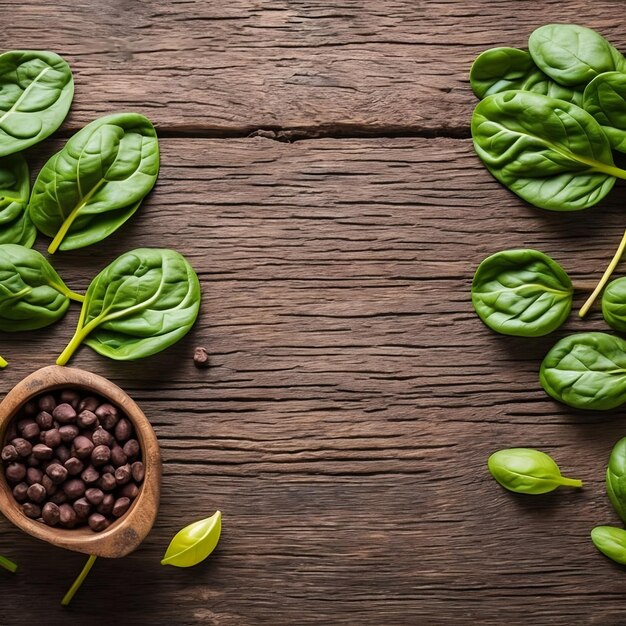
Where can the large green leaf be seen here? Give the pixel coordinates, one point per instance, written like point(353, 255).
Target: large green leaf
point(32, 294)
point(551, 153)
point(503, 69)
point(573, 55)
point(586, 371)
point(96, 182)
point(605, 100)
point(522, 292)
point(140, 304)
point(36, 91)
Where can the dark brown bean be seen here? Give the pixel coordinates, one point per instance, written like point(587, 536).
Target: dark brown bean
point(51, 514)
point(52, 437)
point(10, 453)
point(101, 437)
point(138, 471)
point(30, 408)
point(58, 497)
point(201, 357)
point(33, 475)
point(123, 430)
point(23, 447)
point(82, 447)
point(94, 495)
point(62, 453)
point(117, 456)
point(31, 510)
point(46, 481)
point(47, 403)
point(107, 482)
point(86, 419)
point(44, 420)
point(74, 466)
point(89, 403)
point(20, 492)
point(33, 461)
point(82, 508)
point(129, 490)
point(37, 493)
point(67, 515)
point(30, 430)
point(11, 432)
point(68, 432)
point(131, 449)
point(98, 522)
point(74, 488)
point(90, 475)
point(108, 415)
point(70, 397)
point(107, 469)
point(57, 473)
point(15, 472)
point(106, 506)
point(120, 507)
point(100, 455)
point(42, 452)
point(122, 474)
point(64, 414)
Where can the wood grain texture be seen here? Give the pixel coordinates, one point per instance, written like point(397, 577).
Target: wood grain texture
point(352, 400)
point(353, 395)
point(299, 67)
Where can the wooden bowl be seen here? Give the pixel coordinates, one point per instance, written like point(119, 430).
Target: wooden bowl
point(126, 533)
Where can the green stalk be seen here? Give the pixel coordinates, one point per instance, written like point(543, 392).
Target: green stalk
point(3, 364)
point(67, 598)
point(571, 482)
point(605, 277)
point(80, 334)
point(7, 564)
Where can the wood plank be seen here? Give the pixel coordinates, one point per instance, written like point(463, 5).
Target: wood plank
point(352, 400)
point(299, 67)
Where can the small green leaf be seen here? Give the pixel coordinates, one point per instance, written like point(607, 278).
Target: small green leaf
point(611, 542)
point(616, 478)
point(525, 470)
point(194, 543)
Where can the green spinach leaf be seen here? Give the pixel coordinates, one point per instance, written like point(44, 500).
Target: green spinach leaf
point(36, 91)
point(549, 152)
point(525, 470)
point(142, 303)
point(32, 294)
point(96, 182)
point(503, 69)
point(15, 223)
point(616, 478)
point(605, 99)
point(614, 304)
point(573, 55)
point(586, 371)
point(522, 292)
point(611, 541)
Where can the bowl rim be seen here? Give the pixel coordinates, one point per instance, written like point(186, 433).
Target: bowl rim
point(125, 534)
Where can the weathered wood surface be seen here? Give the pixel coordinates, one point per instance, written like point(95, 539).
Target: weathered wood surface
point(353, 396)
point(303, 67)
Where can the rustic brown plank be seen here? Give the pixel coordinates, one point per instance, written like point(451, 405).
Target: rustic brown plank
point(352, 400)
point(299, 67)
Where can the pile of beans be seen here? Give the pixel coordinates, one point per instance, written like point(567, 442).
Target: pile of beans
point(72, 459)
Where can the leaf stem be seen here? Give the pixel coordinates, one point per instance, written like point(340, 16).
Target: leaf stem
point(605, 277)
point(3, 363)
point(67, 598)
point(571, 482)
point(7, 564)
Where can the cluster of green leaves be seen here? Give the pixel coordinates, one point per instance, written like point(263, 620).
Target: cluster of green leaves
point(546, 126)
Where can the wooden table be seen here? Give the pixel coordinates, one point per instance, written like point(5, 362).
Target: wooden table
point(318, 173)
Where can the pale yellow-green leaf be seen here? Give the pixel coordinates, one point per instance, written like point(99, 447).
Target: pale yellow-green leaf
point(194, 543)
